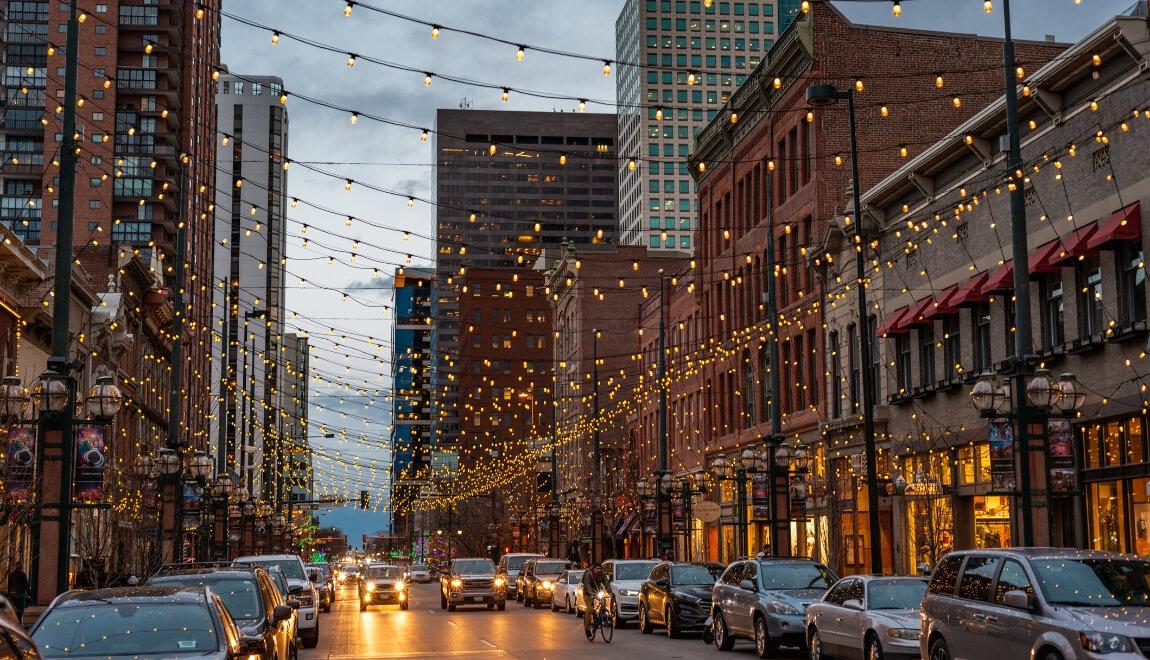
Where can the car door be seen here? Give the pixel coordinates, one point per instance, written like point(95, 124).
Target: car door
point(723, 595)
point(852, 622)
point(1013, 630)
point(828, 616)
point(656, 596)
point(745, 599)
point(969, 627)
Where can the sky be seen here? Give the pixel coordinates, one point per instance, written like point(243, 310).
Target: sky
point(352, 335)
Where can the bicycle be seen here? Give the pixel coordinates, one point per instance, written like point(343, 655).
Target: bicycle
point(602, 622)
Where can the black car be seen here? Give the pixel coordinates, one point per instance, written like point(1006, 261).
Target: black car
point(139, 622)
point(676, 596)
point(253, 600)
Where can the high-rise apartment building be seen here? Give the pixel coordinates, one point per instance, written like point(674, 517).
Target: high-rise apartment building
point(250, 243)
point(690, 59)
point(411, 392)
point(509, 184)
point(298, 468)
point(144, 77)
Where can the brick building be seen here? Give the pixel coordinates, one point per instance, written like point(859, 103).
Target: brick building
point(769, 147)
point(944, 312)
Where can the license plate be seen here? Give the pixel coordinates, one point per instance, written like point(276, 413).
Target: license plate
point(475, 599)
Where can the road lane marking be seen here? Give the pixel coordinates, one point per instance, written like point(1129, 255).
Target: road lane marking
point(451, 623)
point(487, 643)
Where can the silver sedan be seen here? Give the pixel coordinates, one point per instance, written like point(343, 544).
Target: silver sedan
point(867, 616)
point(563, 595)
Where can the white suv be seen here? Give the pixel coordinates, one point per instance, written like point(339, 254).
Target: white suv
point(299, 588)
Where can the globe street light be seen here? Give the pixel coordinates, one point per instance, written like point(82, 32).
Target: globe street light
point(13, 399)
point(1071, 395)
point(104, 398)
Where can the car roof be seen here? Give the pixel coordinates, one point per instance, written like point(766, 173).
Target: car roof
point(219, 573)
point(1050, 553)
point(143, 594)
point(255, 558)
point(871, 577)
point(472, 559)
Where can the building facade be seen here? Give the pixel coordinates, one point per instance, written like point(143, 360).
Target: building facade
point(770, 163)
point(508, 185)
point(295, 358)
point(411, 363)
point(690, 59)
point(248, 293)
point(944, 310)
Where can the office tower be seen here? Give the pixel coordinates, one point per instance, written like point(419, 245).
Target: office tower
point(250, 243)
point(691, 58)
point(509, 184)
point(411, 392)
point(295, 360)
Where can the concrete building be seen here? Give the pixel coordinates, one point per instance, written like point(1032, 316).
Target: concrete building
point(411, 363)
point(944, 311)
point(250, 243)
point(691, 59)
point(783, 167)
point(508, 185)
point(141, 111)
point(297, 467)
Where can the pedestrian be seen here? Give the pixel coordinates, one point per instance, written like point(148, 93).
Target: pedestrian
point(765, 552)
point(18, 590)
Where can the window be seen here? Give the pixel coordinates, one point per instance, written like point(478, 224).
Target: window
point(952, 347)
point(926, 355)
point(1133, 282)
point(836, 383)
point(1012, 577)
point(902, 362)
point(945, 575)
point(1090, 297)
point(856, 370)
point(976, 577)
point(980, 315)
point(1052, 310)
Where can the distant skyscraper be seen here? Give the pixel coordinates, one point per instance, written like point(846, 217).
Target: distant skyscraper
point(249, 246)
point(295, 361)
point(509, 184)
point(411, 391)
point(692, 58)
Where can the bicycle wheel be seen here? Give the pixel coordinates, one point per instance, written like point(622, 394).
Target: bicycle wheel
point(607, 629)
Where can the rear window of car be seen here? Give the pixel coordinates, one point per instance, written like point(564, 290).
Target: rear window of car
point(945, 576)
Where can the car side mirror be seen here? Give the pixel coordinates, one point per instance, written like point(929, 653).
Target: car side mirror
point(282, 612)
point(293, 603)
point(1018, 599)
point(853, 604)
point(747, 585)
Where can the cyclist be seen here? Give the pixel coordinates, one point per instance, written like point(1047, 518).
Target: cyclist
point(593, 582)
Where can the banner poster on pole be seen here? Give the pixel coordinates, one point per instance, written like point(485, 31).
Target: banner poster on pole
point(650, 514)
point(1060, 438)
point(678, 514)
point(1001, 439)
point(19, 464)
point(88, 470)
point(193, 497)
point(760, 496)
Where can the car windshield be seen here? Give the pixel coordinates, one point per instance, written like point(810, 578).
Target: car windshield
point(691, 574)
point(516, 563)
point(895, 594)
point(383, 573)
point(465, 566)
point(126, 629)
point(418, 567)
point(292, 568)
point(322, 568)
point(242, 597)
point(789, 575)
point(1094, 582)
point(632, 570)
point(550, 567)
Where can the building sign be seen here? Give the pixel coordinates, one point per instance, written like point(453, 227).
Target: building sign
point(19, 464)
point(707, 511)
point(88, 470)
point(1001, 438)
point(678, 514)
point(1060, 435)
point(760, 496)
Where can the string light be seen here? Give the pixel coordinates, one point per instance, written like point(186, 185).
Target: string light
point(519, 54)
point(896, 8)
point(353, 118)
point(423, 136)
point(434, 31)
point(505, 95)
point(631, 165)
point(606, 67)
point(987, 6)
point(347, 8)
point(275, 38)
point(582, 105)
point(427, 80)
point(939, 82)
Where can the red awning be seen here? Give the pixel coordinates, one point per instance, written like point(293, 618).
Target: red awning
point(1044, 259)
point(1124, 225)
point(893, 324)
point(942, 305)
point(1001, 279)
point(917, 314)
point(969, 292)
point(1075, 245)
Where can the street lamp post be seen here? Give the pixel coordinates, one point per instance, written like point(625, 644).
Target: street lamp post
point(824, 96)
point(738, 471)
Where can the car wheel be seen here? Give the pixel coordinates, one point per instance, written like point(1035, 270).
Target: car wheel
point(669, 621)
point(404, 605)
point(501, 605)
point(491, 606)
point(526, 601)
point(519, 595)
point(645, 626)
point(451, 607)
point(763, 645)
point(567, 604)
point(873, 648)
point(362, 606)
point(615, 620)
point(939, 650)
point(1051, 655)
point(442, 601)
point(815, 644)
point(723, 639)
point(554, 607)
point(312, 641)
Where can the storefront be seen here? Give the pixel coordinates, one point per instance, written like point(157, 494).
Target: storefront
point(1116, 482)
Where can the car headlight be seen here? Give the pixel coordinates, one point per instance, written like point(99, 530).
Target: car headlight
point(547, 584)
point(370, 586)
point(628, 592)
point(399, 586)
point(903, 633)
point(779, 607)
point(602, 594)
point(1103, 642)
point(457, 583)
point(499, 582)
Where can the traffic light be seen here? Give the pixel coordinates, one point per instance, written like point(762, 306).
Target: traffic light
point(364, 499)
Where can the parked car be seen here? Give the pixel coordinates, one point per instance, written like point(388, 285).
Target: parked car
point(676, 596)
point(382, 583)
point(626, 578)
point(349, 573)
point(539, 580)
point(764, 600)
point(420, 573)
point(509, 566)
point(14, 642)
point(1037, 603)
point(324, 584)
point(563, 595)
point(299, 588)
point(867, 616)
point(472, 581)
point(267, 622)
point(139, 622)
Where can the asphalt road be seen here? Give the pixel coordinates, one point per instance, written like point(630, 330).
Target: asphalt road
point(425, 631)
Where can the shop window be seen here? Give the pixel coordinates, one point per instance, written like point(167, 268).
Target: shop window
point(1135, 449)
point(991, 521)
point(1091, 446)
point(1140, 515)
point(1112, 443)
point(1133, 282)
point(967, 470)
point(1107, 522)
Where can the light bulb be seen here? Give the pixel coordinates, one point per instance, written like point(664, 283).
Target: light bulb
point(631, 165)
point(957, 102)
point(702, 167)
point(884, 111)
point(582, 105)
point(734, 117)
point(427, 80)
point(199, 13)
point(606, 67)
point(938, 81)
point(691, 78)
point(434, 31)
point(988, 6)
point(896, 9)
point(283, 98)
point(902, 151)
point(659, 113)
point(423, 136)
point(410, 202)
point(347, 9)
point(838, 160)
point(519, 54)
point(275, 38)
point(471, 218)
point(216, 74)
point(562, 159)
point(350, 60)
point(859, 86)
point(1020, 73)
point(347, 184)
point(806, 6)
point(148, 47)
point(354, 117)
point(505, 95)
